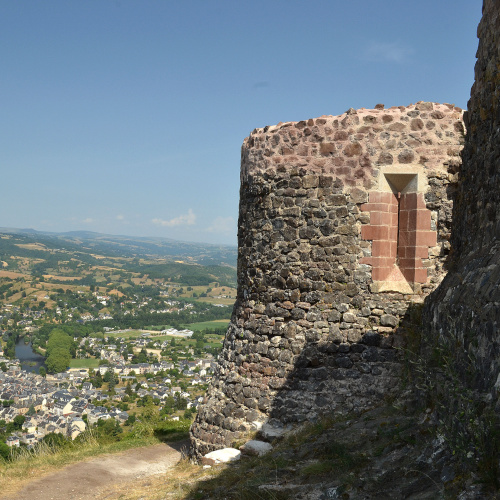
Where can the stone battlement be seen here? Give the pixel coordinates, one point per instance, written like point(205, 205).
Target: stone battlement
point(356, 143)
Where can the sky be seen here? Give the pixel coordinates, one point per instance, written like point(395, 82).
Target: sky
point(127, 117)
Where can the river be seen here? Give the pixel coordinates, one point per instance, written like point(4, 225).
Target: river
point(30, 361)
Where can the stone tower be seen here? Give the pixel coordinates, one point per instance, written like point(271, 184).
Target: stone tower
point(344, 221)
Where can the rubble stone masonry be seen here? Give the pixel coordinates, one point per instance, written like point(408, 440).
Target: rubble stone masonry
point(463, 316)
point(344, 221)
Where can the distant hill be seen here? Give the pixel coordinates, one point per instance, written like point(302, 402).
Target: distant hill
point(133, 246)
point(83, 256)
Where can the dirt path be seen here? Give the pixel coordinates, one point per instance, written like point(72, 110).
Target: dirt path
point(92, 479)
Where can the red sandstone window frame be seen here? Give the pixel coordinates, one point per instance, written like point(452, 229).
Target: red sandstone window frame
point(400, 232)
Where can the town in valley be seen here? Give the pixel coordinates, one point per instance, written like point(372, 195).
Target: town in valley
point(103, 342)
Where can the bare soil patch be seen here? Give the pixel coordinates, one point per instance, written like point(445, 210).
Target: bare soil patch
point(99, 477)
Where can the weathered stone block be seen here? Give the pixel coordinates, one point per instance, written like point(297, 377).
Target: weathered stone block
point(388, 320)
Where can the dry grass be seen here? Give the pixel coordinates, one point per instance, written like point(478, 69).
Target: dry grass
point(32, 246)
point(13, 275)
point(61, 278)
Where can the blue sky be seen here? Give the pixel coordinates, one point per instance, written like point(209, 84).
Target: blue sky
point(127, 116)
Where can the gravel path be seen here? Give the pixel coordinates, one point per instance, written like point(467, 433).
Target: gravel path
point(90, 480)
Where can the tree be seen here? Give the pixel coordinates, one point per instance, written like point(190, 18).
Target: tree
point(181, 403)
point(59, 348)
point(58, 360)
point(112, 384)
point(18, 422)
point(130, 420)
point(42, 371)
point(4, 451)
point(97, 380)
point(168, 405)
point(109, 427)
point(128, 389)
point(54, 440)
point(189, 412)
point(3, 366)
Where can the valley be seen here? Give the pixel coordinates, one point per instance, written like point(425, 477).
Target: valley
point(125, 341)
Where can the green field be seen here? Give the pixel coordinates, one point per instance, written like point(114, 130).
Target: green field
point(198, 327)
point(125, 335)
point(84, 363)
point(213, 300)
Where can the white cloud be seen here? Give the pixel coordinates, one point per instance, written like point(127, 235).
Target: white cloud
point(183, 220)
point(88, 220)
point(222, 225)
point(388, 52)
point(120, 217)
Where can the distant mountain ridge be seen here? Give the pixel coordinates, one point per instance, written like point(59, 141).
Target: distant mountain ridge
point(136, 246)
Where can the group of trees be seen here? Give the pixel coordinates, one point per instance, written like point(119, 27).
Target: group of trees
point(60, 348)
point(189, 274)
point(141, 319)
point(6, 430)
point(10, 340)
point(6, 290)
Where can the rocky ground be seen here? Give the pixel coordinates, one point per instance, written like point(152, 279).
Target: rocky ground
point(390, 452)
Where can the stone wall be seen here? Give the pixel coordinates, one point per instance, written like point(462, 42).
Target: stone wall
point(344, 221)
point(463, 315)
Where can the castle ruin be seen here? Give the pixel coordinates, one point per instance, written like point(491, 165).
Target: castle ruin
point(344, 221)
